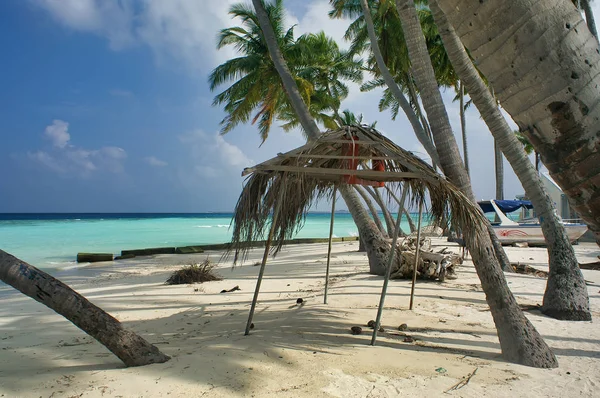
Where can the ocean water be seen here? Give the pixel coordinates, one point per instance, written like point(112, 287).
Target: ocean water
point(53, 240)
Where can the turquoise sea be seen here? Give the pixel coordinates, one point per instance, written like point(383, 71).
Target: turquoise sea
point(53, 240)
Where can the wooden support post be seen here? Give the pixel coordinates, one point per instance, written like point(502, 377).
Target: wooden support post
point(264, 261)
point(329, 246)
point(389, 265)
point(414, 278)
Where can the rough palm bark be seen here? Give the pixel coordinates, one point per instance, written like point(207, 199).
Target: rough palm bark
point(414, 98)
point(463, 127)
point(499, 171)
point(129, 347)
point(438, 118)
point(566, 294)
point(372, 240)
point(519, 340)
point(544, 65)
point(361, 191)
point(377, 249)
point(389, 221)
point(395, 89)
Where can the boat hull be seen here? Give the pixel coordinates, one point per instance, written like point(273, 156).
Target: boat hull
point(532, 234)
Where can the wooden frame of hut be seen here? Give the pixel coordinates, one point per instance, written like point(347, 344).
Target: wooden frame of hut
point(279, 192)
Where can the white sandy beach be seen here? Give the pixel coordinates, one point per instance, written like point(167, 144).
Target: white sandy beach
point(294, 351)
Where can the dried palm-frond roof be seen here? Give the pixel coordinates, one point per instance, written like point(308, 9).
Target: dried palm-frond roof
point(304, 175)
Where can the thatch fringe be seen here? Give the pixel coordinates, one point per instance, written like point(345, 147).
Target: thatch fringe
point(301, 177)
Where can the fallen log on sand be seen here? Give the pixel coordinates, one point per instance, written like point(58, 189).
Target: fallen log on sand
point(432, 264)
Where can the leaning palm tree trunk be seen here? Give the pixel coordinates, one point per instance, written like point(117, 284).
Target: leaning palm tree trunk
point(566, 293)
point(553, 86)
point(306, 120)
point(411, 223)
point(361, 191)
point(499, 171)
point(129, 347)
point(375, 244)
point(393, 86)
point(519, 340)
point(390, 224)
point(463, 126)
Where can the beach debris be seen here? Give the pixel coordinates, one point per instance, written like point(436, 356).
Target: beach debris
point(441, 370)
point(193, 273)
point(521, 244)
point(591, 266)
point(528, 270)
point(403, 327)
point(300, 301)
point(463, 382)
point(408, 339)
point(381, 329)
point(356, 330)
point(432, 264)
point(256, 264)
point(233, 289)
point(371, 324)
point(252, 326)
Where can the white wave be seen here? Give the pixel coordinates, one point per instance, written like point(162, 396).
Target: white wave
point(352, 233)
point(203, 226)
point(222, 226)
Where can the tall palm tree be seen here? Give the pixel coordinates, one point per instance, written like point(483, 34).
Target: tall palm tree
point(566, 293)
point(556, 82)
point(317, 59)
point(260, 40)
point(252, 67)
point(318, 67)
point(357, 32)
point(519, 340)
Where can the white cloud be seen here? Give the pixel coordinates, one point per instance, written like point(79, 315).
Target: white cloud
point(111, 19)
point(57, 132)
point(47, 160)
point(213, 156)
point(66, 158)
point(231, 154)
point(185, 29)
point(153, 161)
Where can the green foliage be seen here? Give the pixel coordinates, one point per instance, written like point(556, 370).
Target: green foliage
point(256, 94)
point(388, 28)
point(525, 142)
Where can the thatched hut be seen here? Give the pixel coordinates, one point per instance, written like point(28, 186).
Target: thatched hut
point(287, 185)
point(353, 154)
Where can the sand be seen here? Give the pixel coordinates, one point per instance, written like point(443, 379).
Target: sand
point(294, 350)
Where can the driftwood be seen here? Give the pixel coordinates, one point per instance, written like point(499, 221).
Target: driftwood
point(432, 265)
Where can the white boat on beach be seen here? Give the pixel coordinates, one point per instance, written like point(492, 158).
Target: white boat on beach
point(524, 230)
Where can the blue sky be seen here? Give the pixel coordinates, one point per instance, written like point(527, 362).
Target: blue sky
point(105, 108)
